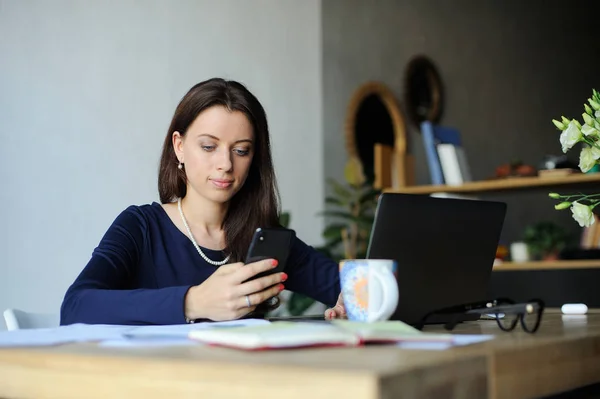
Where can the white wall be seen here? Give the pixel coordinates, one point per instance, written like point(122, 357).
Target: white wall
point(87, 90)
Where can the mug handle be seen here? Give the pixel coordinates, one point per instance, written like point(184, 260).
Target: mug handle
point(387, 280)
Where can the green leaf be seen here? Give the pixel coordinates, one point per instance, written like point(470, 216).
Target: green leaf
point(340, 190)
point(337, 214)
point(284, 219)
point(333, 242)
point(298, 304)
point(333, 231)
point(369, 196)
point(336, 201)
point(364, 221)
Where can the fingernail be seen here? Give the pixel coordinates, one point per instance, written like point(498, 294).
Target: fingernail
point(281, 287)
point(284, 276)
point(274, 262)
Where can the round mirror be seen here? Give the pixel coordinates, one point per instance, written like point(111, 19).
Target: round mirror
point(423, 91)
point(374, 118)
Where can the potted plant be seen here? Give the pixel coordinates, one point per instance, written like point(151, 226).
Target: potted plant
point(546, 239)
point(351, 211)
point(351, 208)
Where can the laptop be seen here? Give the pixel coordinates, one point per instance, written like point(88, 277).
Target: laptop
point(444, 247)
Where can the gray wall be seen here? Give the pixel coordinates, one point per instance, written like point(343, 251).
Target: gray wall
point(508, 68)
point(87, 90)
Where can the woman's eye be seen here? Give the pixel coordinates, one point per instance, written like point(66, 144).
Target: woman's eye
point(241, 152)
point(208, 147)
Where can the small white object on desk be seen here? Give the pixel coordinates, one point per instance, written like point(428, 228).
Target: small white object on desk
point(574, 308)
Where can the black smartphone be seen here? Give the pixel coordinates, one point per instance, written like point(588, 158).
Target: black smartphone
point(271, 243)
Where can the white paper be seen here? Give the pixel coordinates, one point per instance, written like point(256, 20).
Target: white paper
point(182, 330)
point(457, 340)
point(147, 342)
point(61, 335)
point(173, 335)
point(111, 334)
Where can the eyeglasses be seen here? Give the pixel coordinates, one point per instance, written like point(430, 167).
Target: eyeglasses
point(505, 311)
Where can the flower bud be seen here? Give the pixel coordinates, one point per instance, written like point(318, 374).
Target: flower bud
point(562, 205)
point(594, 104)
point(565, 121)
point(576, 122)
point(558, 124)
point(588, 110)
point(554, 195)
point(588, 119)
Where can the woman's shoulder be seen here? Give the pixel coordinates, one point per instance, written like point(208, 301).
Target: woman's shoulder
point(141, 214)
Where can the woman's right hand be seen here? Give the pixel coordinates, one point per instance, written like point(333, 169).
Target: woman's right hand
point(223, 295)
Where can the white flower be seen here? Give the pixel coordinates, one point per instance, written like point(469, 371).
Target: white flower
point(589, 130)
point(586, 159)
point(570, 137)
point(596, 152)
point(582, 214)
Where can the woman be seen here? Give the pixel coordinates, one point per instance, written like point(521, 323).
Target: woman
point(181, 260)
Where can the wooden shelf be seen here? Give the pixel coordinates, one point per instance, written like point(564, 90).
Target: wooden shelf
point(513, 183)
point(548, 265)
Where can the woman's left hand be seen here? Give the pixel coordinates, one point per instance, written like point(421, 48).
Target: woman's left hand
point(336, 312)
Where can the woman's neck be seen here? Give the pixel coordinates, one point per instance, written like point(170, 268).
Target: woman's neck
point(203, 216)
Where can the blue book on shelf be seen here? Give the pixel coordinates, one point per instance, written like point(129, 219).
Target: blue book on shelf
point(446, 135)
point(433, 135)
point(433, 161)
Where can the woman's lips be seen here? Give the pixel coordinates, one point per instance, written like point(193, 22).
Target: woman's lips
point(221, 183)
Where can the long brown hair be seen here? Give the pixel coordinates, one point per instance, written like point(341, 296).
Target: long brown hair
point(256, 204)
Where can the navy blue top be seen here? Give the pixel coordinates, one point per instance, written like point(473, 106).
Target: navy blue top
point(144, 265)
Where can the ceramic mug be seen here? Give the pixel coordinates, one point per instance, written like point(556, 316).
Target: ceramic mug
point(369, 288)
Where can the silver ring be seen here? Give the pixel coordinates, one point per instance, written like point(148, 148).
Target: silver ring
point(248, 301)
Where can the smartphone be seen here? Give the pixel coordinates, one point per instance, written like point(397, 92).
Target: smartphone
point(271, 243)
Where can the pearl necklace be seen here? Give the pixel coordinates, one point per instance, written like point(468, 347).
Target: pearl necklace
point(206, 258)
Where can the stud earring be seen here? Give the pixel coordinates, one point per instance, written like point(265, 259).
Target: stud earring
point(180, 166)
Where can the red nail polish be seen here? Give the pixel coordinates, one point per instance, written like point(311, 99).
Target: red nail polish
point(281, 287)
point(284, 276)
point(274, 262)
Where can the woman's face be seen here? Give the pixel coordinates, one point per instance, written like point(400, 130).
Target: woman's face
point(216, 151)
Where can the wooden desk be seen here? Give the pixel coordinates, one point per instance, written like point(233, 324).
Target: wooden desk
point(563, 355)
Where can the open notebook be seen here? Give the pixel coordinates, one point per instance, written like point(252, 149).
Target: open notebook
point(284, 334)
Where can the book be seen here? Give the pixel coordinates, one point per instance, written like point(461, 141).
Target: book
point(454, 164)
point(433, 161)
point(446, 158)
point(287, 334)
